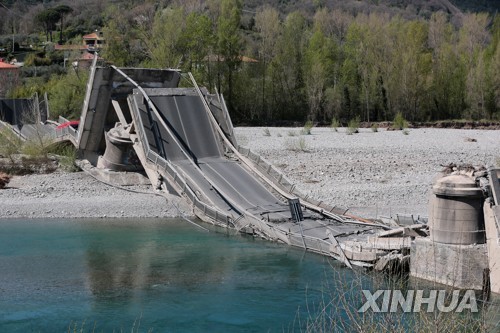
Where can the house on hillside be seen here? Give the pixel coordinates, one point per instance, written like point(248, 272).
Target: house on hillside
point(9, 77)
point(82, 54)
point(85, 60)
point(94, 41)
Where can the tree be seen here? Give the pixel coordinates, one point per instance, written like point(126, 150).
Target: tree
point(196, 42)
point(48, 18)
point(267, 24)
point(162, 41)
point(62, 10)
point(473, 39)
point(117, 47)
point(318, 69)
point(229, 43)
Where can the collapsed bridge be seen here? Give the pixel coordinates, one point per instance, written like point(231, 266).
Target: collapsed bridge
point(182, 138)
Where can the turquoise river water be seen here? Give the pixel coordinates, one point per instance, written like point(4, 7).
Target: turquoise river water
point(159, 275)
point(123, 275)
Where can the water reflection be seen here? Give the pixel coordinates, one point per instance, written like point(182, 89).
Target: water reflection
point(167, 273)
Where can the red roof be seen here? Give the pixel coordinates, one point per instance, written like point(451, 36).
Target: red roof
point(92, 36)
point(4, 65)
point(69, 47)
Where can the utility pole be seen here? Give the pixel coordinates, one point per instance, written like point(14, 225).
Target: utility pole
point(13, 41)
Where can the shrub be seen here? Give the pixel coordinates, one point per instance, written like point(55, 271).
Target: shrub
point(335, 124)
point(10, 143)
point(374, 127)
point(266, 132)
point(353, 126)
point(298, 144)
point(66, 155)
point(399, 122)
point(307, 128)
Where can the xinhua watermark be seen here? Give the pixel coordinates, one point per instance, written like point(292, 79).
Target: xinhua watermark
point(419, 300)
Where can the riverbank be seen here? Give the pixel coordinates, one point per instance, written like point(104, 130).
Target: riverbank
point(371, 173)
point(78, 195)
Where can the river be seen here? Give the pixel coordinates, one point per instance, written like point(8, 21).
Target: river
point(161, 275)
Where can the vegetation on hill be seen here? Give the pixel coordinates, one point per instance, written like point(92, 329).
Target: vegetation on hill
point(303, 60)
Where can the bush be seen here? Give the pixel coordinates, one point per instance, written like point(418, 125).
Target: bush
point(335, 124)
point(307, 128)
point(298, 144)
point(353, 126)
point(266, 132)
point(66, 94)
point(374, 127)
point(399, 122)
point(66, 155)
point(10, 143)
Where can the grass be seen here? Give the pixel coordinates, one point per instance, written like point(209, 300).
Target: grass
point(32, 156)
point(353, 126)
point(399, 122)
point(342, 297)
point(297, 144)
point(335, 124)
point(66, 156)
point(307, 128)
point(10, 144)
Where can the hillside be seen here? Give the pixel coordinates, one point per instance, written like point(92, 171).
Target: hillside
point(18, 15)
point(326, 61)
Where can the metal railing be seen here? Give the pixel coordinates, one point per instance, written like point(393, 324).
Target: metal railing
point(280, 180)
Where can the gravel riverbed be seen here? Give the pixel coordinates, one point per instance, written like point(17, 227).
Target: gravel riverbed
point(371, 173)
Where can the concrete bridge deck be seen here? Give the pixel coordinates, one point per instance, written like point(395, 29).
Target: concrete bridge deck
point(183, 139)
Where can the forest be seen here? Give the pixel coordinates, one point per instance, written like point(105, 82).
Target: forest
point(282, 61)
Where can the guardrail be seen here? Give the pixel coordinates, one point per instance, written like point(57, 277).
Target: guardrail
point(14, 130)
point(60, 132)
point(282, 181)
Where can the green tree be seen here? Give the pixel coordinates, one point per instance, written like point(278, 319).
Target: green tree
point(48, 19)
point(162, 41)
point(473, 39)
point(318, 69)
point(267, 23)
point(66, 94)
point(287, 68)
point(196, 43)
point(62, 10)
point(229, 45)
